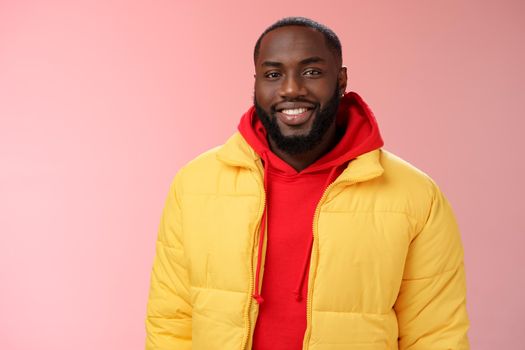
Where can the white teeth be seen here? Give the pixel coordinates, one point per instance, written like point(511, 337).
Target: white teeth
point(294, 111)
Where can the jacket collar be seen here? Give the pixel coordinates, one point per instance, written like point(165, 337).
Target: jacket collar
point(237, 152)
point(363, 168)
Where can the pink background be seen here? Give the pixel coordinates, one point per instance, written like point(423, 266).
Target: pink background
point(102, 101)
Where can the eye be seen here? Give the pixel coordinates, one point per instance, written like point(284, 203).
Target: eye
point(312, 72)
point(272, 75)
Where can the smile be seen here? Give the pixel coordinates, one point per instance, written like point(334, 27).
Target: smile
point(294, 116)
point(294, 111)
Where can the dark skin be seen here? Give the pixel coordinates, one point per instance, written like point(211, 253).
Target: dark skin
point(296, 70)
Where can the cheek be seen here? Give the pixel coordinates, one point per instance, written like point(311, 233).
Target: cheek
point(322, 89)
point(263, 95)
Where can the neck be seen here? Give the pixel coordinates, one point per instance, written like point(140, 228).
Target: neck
point(302, 160)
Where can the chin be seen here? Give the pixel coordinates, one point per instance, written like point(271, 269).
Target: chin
point(292, 134)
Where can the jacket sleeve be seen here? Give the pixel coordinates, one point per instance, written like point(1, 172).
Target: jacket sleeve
point(431, 306)
point(169, 312)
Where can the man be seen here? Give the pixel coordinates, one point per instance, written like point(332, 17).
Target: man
point(301, 232)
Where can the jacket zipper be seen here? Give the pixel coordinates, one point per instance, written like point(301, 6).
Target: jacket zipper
point(313, 262)
point(244, 343)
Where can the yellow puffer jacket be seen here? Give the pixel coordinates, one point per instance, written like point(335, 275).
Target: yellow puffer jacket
point(386, 268)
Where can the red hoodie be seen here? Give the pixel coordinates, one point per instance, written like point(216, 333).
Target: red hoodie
point(292, 198)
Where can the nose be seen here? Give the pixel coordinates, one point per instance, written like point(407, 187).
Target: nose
point(292, 87)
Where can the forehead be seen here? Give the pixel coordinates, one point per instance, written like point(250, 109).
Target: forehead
point(293, 43)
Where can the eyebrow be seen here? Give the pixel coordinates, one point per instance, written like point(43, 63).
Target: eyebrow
point(271, 64)
point(313, 59)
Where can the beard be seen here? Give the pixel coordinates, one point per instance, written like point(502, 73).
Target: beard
point(298, 144)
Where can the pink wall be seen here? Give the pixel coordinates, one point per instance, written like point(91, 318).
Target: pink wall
point(101, 104)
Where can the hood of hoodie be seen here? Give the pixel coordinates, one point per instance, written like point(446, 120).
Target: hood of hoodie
point(360, 135)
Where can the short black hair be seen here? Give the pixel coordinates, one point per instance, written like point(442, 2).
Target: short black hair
point(331, 38)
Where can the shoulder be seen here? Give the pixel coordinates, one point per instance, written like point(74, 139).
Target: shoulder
point(205, 161)
point(217, 168)
point(407, 187)
point(197, 172)
point(403, 173)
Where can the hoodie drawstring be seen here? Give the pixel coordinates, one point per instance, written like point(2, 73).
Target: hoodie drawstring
point(257, 295)
point(306, 260)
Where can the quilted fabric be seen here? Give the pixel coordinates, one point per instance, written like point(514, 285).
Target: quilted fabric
point(386, 268)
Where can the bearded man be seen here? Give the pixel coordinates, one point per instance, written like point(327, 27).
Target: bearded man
point(301, 231)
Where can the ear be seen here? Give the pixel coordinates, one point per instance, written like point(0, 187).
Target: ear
point(342, 79)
